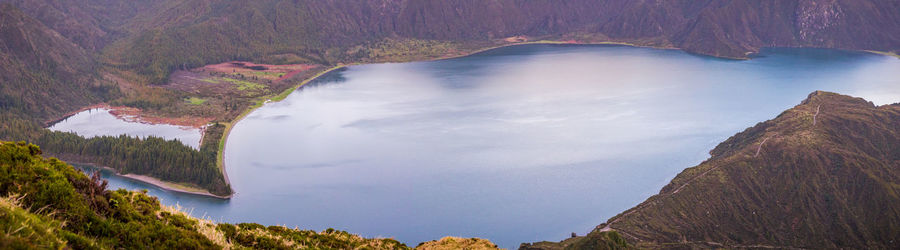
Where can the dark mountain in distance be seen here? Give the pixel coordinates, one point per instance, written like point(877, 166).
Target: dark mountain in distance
point(52, 50)
point(824, 174)
point(156, 37)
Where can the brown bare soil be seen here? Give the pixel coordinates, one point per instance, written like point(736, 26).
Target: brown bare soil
point(277, 73)
point(213, 80)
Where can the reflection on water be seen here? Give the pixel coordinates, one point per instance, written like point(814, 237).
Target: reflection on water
point(99, 122)
point(519, 144)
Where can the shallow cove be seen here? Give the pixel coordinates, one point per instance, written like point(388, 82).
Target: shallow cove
point(517, 144)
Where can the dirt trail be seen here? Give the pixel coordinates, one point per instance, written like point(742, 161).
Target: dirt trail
point(817, 114)
point(760, 146)
point(608, 226)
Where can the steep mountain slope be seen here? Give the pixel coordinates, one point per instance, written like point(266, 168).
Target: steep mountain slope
point(156, 37)
point(824, 174)
point(42, 73)
point(178, 34)
point(91, 24)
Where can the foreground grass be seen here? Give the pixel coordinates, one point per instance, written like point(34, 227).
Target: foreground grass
point(47, 204)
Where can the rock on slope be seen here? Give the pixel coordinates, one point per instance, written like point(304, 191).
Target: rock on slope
point(824, 174)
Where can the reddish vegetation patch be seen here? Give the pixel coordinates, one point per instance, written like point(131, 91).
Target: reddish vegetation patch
point(213, 80)
point(275, 73)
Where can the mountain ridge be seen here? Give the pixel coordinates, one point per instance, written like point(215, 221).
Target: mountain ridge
point(823, 174)
point(331, 29)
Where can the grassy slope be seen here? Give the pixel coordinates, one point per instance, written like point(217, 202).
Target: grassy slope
point(45, 203)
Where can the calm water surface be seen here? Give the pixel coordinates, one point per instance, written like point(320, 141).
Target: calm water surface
point(518, 144)
point(99, 122)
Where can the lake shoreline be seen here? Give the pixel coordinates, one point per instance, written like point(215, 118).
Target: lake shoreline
point(288, 160)
point(281, 96)
point(164, 185)
point(134, 115)
point(220, 155)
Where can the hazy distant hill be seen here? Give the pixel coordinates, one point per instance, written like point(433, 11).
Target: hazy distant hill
point(826, 175)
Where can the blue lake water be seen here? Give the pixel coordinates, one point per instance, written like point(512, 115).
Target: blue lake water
point(518, 144)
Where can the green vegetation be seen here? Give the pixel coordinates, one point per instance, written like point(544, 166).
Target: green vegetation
point(267, 75)
point(52, 192)
point(210, 80)
point(45, 203)
point(44, 76)
point(166, 160)
point(20, 229)
point(245, 85)
point(402, 50)
point(195, 100)
point(257, 236)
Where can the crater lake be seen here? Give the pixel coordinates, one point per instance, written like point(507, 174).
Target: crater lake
point(517, 144)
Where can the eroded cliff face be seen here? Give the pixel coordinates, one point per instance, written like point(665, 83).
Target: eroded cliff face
point(814, 17)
